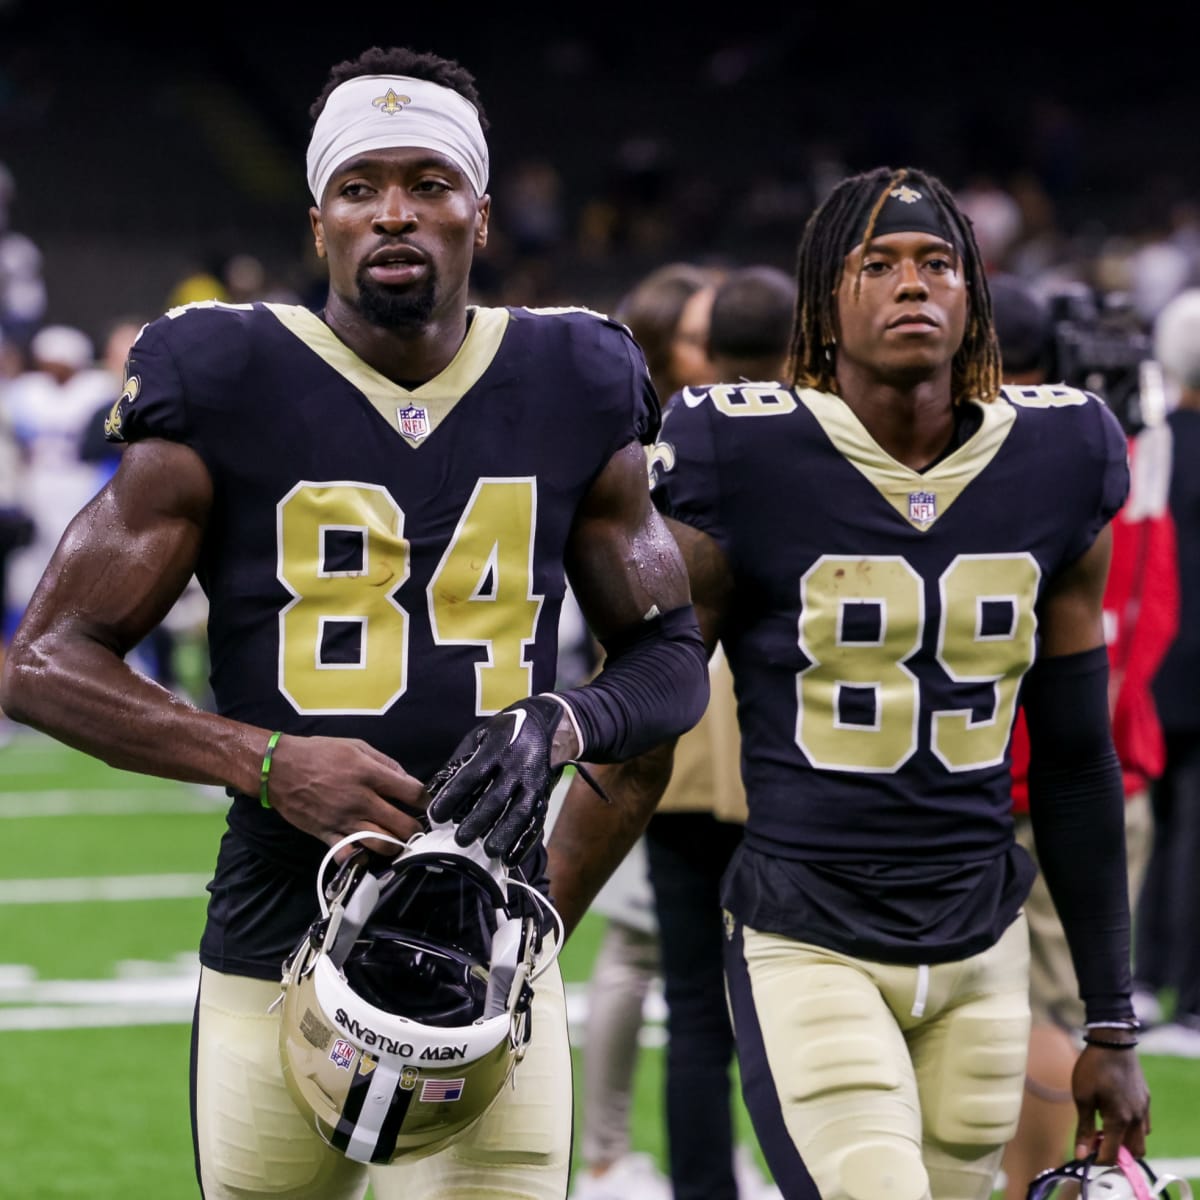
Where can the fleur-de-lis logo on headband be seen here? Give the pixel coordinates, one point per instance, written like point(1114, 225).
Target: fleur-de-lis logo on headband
point(392, 103)
point(905, 194)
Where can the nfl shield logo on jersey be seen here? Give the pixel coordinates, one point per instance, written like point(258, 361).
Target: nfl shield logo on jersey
point(922, 507)
point(413, 422)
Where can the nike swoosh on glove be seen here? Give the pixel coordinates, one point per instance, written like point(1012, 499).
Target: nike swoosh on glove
point(497, 783)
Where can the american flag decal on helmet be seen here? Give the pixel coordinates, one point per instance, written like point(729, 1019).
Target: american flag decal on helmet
point(440, 1091)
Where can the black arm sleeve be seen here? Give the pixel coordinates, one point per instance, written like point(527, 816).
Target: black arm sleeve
point(1077, 808)
point(654, 686)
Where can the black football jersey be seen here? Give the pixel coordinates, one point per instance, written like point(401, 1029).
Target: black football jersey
point(380, 563)
point(881, 624)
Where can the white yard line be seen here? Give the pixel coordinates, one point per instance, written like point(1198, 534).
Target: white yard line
point(169, 995)
point(100, 1016)
point(111, 802)
point(102, 887)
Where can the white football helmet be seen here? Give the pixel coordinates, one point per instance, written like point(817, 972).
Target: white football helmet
point(406, 1005)
point(1129, 1179)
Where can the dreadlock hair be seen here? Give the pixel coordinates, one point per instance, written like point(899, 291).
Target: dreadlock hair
point(820, 259)
point(398, 60)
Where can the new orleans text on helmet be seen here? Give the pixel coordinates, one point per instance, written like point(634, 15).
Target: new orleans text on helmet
point(389, 1045)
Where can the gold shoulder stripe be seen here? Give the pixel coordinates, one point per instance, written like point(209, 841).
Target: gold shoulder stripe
point(435, 399)
point(900, 485)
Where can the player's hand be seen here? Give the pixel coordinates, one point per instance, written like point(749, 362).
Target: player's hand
point(1110, 1083)
point(497, 783)
point(331, 787)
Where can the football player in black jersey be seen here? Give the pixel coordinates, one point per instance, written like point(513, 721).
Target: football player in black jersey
point(382, 503)
point(891, 550)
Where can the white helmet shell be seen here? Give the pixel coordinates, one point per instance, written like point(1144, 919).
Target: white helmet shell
point(398, 1032)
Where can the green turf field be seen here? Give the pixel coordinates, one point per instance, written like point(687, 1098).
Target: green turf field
point(101, 904)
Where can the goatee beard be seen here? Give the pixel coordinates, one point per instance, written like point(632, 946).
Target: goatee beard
point(393, 309)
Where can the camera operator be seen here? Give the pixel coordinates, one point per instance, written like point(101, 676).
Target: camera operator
point(1067, 340)
point(1097, 343)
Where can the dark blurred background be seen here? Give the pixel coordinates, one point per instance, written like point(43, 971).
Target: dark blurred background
point(148, 145)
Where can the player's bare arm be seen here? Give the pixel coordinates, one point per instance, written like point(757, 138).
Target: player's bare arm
point(121, 565)
point(590, 838)
point(1072, 614)
point(1107, 1080)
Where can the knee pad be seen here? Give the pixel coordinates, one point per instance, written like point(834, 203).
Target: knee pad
point(882, 1171)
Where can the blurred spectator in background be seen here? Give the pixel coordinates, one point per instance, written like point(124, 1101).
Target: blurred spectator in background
point(240, 278)
point(22, 289)
point(1140, 619)
point(533, 212)
point(519, 265)
point(16, 525)
point(667, 313)
point(634, 212)
point(245, 279)
point(750, 321)
point(699, 821)
point(205, 280)
point(996, 216)
point(1166, 945)
point(49, 405)
point(1159, 269)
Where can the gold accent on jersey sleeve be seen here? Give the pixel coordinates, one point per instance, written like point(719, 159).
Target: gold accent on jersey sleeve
point(116, 415)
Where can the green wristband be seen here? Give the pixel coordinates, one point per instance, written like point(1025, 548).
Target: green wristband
point(266, 768)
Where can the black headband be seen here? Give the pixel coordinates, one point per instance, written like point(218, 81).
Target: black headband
point(906, 209)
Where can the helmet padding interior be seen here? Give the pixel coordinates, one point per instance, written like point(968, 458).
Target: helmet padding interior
point(425, 952)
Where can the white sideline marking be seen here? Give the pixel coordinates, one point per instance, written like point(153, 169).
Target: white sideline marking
point(102, 887)
point(111, 802)
point(654, 1012)
point(143, 993)
point(1187, 1168)
point(169, 995)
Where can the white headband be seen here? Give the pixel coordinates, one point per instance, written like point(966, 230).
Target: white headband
point(376, 112)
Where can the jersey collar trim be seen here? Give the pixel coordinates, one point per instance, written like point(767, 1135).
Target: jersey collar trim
point(416, 414)
point(919, 497)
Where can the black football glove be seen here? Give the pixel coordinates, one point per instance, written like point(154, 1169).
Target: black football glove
point(497, 783)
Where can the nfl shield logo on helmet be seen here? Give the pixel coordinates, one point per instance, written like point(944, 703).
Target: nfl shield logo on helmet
point(922, 507)
point(342, 1054)
point(413, 422)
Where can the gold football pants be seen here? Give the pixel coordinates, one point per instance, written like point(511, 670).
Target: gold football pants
point(869, 1081)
